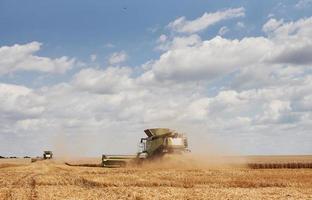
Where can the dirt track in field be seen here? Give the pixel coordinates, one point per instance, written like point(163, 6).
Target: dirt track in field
point(52, 180)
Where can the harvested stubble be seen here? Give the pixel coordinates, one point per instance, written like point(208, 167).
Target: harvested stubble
point(52, 180)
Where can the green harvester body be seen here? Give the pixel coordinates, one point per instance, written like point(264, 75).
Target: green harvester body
point(159, 141)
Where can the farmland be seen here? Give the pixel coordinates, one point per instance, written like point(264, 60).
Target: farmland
point(20, 179)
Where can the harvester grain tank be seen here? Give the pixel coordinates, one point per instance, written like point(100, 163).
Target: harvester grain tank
point(47, 155)
point(159, 142)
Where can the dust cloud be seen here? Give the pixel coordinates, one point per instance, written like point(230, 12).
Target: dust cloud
point(207, 151)
point(74, 147)
point(195, 161)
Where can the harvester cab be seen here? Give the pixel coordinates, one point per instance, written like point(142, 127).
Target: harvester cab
point(159, 141)
point(47, 155)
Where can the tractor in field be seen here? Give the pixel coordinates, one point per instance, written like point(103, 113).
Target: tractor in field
point(47, 155)
point(159, 142)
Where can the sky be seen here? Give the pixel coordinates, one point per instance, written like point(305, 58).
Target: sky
point(85, 78)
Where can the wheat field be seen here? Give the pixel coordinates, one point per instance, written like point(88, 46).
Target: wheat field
point(52, 179)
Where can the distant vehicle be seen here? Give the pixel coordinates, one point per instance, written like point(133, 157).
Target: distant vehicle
point(47, 155)
point(26, 157)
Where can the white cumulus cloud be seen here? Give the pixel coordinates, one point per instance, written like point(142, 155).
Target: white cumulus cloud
point(22, 58)
point(110, 80)
point(206, 20)
point(190, 58)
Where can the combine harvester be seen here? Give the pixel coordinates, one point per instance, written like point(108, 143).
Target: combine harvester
point(158, 143)
point(47, 155)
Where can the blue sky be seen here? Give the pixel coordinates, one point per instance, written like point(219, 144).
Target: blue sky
point(87, 68)
point(79, 28)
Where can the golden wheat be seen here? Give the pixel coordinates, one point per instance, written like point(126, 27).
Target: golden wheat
point(54, 180)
